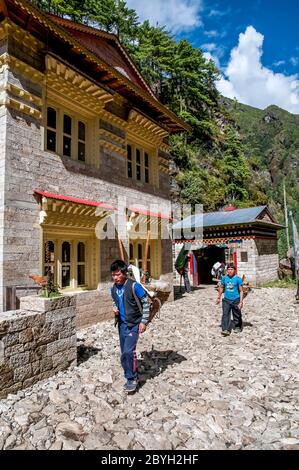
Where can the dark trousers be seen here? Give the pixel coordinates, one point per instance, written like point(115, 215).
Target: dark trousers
point(229, 306)
point(128, 338)
point(186, 282)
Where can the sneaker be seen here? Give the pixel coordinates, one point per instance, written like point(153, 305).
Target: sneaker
point(131, 386)
point(238, 330)
point(225, 333)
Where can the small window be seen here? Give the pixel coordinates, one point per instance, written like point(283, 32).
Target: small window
point(138, 165)
point(67, 125)
point(51, 129)
point(67, 135)
point(146, 168)
point(131, 254)
point(81, 141)
point(51, 118)
point(81, 252)
point(81, 264)
point(129, 161)
point(81, 274)
point(65, 276)
point(66, 264)
point(66, 252)
point(139, 254)
point(49, 258)
point(244, 257)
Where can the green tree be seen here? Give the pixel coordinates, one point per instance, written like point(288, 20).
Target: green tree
point(154, 54)
point(235, 168)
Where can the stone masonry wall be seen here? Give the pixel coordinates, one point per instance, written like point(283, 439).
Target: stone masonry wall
point(262, 262)
point(29, 167)
point(36, 342)
point(247, 268)
point(3, 114)
point(267, 261)
point(92, 307)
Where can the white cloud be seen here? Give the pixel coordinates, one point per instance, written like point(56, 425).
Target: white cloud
point(218, 12)
point(212, 51)
point(176, 15)
point(215, 34)
point(252, 83)
point(294, 61)
point(279, 62)
point(211, 34)
point(208, 56)
point(211, 46)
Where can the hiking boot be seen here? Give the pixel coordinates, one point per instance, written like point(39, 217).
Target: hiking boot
point(131, 386)
point(238, 330)
point(225, 333)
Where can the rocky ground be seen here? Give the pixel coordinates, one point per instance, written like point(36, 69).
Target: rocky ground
point(199, 390)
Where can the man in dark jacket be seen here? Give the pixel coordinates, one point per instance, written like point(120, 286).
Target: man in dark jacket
point(131, 309)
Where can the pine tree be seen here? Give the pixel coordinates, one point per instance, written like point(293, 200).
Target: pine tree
point(235, 168)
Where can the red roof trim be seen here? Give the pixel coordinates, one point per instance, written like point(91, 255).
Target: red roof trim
point(74, 199)
point(150, 214)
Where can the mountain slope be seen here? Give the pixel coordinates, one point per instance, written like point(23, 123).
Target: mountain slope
point(270, 139)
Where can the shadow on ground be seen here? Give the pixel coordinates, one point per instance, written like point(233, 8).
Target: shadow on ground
point(179, 292)
point(153, 363)
point(85, 352)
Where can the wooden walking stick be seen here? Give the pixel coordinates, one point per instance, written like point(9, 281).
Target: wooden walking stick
point(121, 251)
point(146, 256)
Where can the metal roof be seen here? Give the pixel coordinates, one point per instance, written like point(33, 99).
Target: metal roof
point(215, 219)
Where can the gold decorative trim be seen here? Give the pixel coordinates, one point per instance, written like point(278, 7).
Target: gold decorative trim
point(20, 93)
point(113, 148)
point(165, 148)
point(8, 28)
point(140, 120)
point(71, 84)
point(92, 57)
point(19, 106)
point(112, 136)
point(10, 62)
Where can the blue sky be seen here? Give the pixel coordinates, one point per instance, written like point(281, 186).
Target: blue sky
point(254, 43)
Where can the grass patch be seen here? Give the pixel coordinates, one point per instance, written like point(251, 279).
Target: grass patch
point(286, 283)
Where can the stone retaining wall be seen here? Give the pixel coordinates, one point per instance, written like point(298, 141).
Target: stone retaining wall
point(36, 341)
point(93, 306)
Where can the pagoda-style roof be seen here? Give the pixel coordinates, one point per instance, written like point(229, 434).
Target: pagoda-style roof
point(97, 54)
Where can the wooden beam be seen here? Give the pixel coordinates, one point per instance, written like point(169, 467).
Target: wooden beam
point(3, 8)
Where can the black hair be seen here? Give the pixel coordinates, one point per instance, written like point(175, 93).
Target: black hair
point(231, 265)
point(120, 265)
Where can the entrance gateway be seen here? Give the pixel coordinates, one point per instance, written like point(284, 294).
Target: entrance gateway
point(246, 237)
point(205, 256)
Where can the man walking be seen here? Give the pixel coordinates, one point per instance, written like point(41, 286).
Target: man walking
point(131, 309)
point(232, 287)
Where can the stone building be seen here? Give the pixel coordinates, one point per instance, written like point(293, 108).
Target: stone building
point(246, 237)
point(80, 130)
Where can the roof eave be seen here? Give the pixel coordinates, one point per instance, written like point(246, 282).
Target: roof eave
point(175, 124)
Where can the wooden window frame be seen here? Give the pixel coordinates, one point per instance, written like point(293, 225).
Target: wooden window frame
point(73, 263)
point(74, 136)
point(144, 169)
point(136, 260)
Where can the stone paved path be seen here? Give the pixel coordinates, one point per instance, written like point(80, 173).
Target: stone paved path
point(199, 390)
